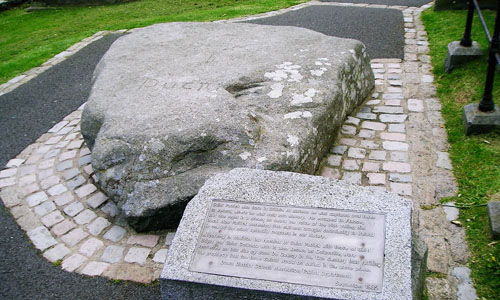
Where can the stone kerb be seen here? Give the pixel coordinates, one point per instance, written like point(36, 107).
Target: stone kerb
point(283, 190)
point(173, 104)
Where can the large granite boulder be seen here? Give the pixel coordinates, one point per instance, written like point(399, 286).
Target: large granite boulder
point(173, 104)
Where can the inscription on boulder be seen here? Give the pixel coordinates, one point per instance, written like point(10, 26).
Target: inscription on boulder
point(150, 84)
point(313, 246)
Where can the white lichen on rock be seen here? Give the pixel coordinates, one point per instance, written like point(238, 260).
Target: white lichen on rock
point(286, 70)
point(245, 155)
point(276, 90)
point(299, 99)
point(318, 72)
point(298, 114)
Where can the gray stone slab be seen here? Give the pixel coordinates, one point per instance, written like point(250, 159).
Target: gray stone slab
point(71, 173)
point(352, 177)
point(418, 266)
point(443, 160)
point(465, 287)
point(112, 254)
point(339, 149)
point(277, 196)
point(451, 211)
point(36, 199)
point(115, 233)
point(391, 118)
point(458, 55)
point(137, 255)
point(96, 200)
point(45, 208)
point(476, 121)
point(98, 225)
point(160, 256)
point(73, 209)
point(56, 253)
point(388, 109)
point(169, 238)
point(41, 238)
point(494, 215)
point(366, 116)
point(85, 217)
point(75, 182)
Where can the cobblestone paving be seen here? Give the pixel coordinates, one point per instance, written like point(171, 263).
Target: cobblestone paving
point(50, 191)
point(372, 148)
point(395, 141)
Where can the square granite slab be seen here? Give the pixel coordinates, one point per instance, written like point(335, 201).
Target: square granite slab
point(254, 234)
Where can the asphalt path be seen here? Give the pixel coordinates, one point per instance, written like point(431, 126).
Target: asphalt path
point(409, 3)
point(25, 274)
point(381, 30)
point(25, 114)
point(30, 110)
point(34, 107)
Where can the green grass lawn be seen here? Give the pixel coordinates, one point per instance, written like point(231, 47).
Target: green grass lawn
point(476, 159)
point(29, 39)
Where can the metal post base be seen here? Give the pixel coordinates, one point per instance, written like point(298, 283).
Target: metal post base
point(476, 121)
point(458, 54)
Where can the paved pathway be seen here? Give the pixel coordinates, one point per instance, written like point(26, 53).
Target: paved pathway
point(391, 3)
point(394, 141)
point(350, 22)
point(36, 105)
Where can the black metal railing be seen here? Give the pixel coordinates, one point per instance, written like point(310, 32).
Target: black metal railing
point(486, 103)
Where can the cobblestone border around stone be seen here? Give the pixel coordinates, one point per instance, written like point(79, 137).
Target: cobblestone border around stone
point(30, 74)
point(396, 141)
point(50, 191)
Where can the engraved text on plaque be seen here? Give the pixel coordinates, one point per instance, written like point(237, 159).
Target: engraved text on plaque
point(313, 246)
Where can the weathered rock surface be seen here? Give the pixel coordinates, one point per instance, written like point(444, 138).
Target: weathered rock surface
point(173, 104)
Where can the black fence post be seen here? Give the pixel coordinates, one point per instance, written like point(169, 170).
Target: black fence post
point(466, 40)
point(486, 103)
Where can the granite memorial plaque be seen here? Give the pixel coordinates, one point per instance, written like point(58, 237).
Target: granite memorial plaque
point(314, 246)
point(265, 235)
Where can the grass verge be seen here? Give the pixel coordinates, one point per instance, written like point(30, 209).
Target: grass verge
point(475, 159)
point(29, 39)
